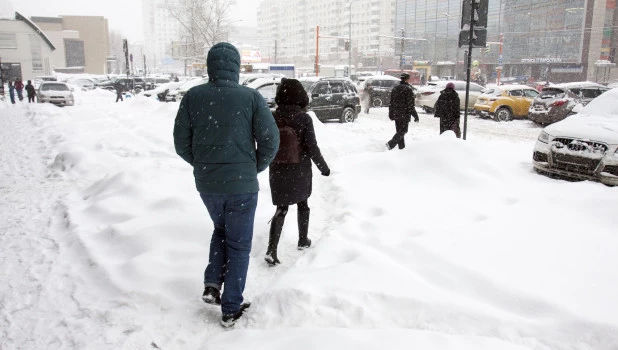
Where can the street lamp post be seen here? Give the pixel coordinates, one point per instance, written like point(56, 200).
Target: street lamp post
point(350, 41)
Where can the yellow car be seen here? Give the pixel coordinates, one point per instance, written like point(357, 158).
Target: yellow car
point(504, 102)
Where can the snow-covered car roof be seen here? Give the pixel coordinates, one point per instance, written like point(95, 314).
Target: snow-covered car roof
point(578, 84)
point(383, 77)
point(263, 81)
point(510, 87)
point(597, 121)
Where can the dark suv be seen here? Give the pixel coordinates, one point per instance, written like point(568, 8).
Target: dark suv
point(379, 89)
point(332, 98)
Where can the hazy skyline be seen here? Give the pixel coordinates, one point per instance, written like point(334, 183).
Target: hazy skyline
point(124, 16)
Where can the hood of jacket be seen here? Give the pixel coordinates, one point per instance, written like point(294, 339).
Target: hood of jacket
point(223, 62)
point(449, 93)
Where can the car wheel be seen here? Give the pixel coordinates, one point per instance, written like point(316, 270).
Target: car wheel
point(377, 102)
point(347, 116)
point(503, 114)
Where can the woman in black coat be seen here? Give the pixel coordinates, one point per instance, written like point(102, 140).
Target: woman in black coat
point(291, 183)
point(447, 109)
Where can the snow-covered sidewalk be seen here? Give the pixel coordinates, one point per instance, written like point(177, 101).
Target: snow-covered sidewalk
point(444, 245)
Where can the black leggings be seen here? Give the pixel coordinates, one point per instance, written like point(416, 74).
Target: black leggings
point(282, 210)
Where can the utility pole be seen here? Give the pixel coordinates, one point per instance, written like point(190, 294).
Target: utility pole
point(275, 51)
point(350, 41)
point(402, 46)
point(470, 43)
point(317, 51)
point(145, 71)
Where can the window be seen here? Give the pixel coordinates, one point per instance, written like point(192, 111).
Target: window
point(268, 91)
point(8, 41)
point(516, 93)
point(35, 52)
point(531, 93)
point(337, 87)
point(322, 89)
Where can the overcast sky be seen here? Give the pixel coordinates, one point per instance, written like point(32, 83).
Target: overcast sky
point(123, 15)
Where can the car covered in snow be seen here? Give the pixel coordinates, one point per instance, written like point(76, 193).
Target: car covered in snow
point(427, 95)
point(583, 146)
point(557, 102)
point(332, 98)
point(180, 91)
point(504, 102)
point(55, 92)
point(267, 87)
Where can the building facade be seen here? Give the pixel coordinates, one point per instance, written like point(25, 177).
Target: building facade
point(82, 42)
point(25, 51)
point(287, 32)
point(160, 31)
point(555, 40)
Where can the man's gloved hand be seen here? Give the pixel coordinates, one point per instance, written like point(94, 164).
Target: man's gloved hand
point(326, 173)
point(416, 120)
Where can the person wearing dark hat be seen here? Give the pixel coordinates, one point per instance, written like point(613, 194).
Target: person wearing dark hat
point(400, 110)
point(290, 173)
point(447, 109)
point(227, 133)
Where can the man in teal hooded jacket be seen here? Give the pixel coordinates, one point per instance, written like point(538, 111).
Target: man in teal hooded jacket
point(228, 134)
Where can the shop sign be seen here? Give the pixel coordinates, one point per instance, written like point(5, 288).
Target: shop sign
point(541, 60)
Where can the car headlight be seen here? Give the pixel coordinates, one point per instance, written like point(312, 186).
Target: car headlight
point(544, 137)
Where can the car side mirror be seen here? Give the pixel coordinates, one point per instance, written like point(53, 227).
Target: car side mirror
point(315, 95)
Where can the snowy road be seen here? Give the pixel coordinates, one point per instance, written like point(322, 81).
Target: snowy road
point(445, 245)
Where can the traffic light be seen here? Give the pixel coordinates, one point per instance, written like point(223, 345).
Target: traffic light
point(481, 10)
point(347, 45)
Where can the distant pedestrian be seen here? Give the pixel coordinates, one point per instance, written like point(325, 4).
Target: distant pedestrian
point(30, 92)
point(400, 110)
point(19, 87)
point(447, 109)
point(119, 91)
point(12, 91)
point(365, 96)
point(227, 133)
point(290, 173)
point(423, 81)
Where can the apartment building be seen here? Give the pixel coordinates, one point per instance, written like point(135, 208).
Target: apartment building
point(160, 31)
point(287, 31)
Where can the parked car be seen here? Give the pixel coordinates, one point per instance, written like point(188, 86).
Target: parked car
point(332, 98)
point(246, 79)
point(427, 96)
point(55, 92)
point(557, 102)
point(178, 93)
point(583, 146)
point(504, 102)
point(267, 88)
point(83, 83)
point(379, 89)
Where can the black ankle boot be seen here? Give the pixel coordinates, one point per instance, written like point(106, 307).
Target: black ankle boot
point(276, 226)
point(303, 229)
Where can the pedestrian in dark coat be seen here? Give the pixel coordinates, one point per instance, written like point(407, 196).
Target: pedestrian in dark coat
point(400, 110)
point(228, 135)
point(12, 92)
point(30, 91)
point(19, 87)
point(292, 183)
point(447, 109)
point(119, 90)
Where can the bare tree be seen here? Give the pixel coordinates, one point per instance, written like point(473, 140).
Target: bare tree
point(204, 22)
point(115, 48)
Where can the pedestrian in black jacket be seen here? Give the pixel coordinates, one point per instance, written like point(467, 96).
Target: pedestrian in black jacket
point(30, 91)
point(292, 183)
point(447, 109)
point(400, 110)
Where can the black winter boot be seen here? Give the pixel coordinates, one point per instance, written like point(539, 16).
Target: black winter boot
point(276, 226)
point(303, 229)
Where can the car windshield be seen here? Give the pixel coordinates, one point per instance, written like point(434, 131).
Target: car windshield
point(548, 93)
point(307, 85)
point(54, 87)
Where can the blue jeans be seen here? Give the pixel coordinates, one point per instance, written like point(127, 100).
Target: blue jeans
point(233, 216)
